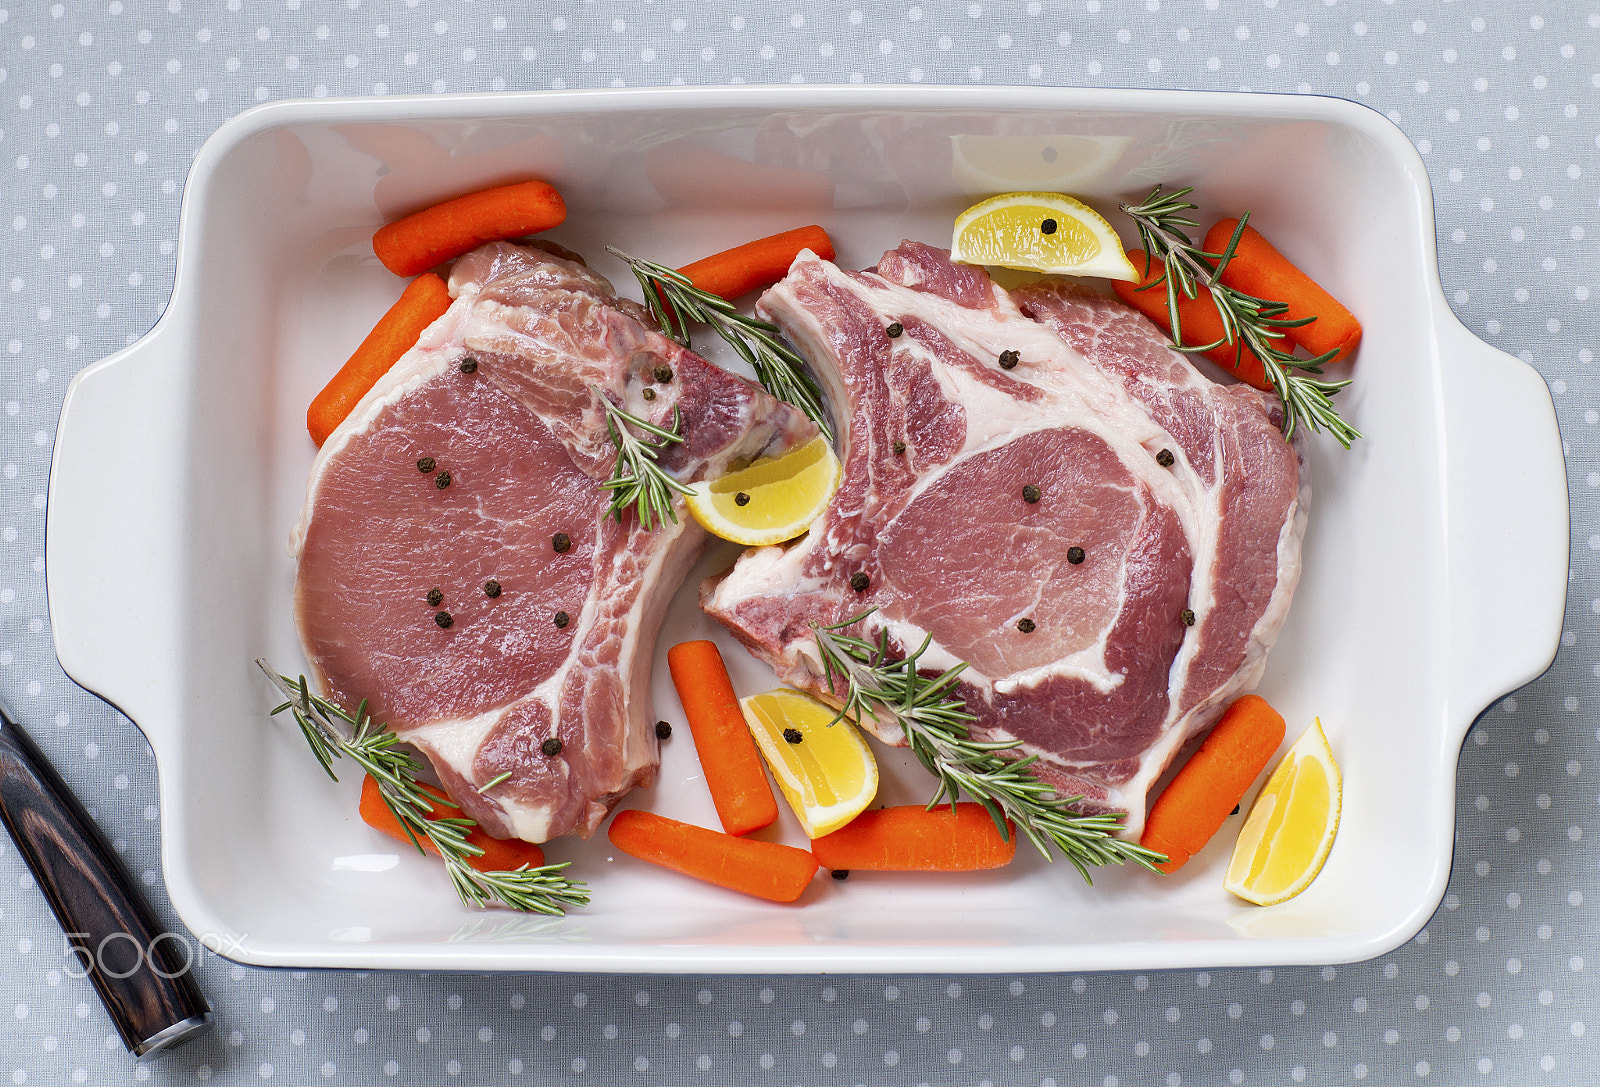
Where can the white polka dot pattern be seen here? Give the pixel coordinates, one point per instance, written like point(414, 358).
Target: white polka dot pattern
point(101, 109)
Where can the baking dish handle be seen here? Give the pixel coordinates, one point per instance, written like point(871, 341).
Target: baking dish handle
point(108, 524)
point(1507, 529)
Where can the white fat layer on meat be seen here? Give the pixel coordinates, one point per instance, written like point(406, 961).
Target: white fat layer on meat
point(1201, 532)
point(1290, 541)
point(455, 742)
point(636, 656)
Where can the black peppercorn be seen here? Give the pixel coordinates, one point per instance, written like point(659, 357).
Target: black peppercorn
point(1025, 625)
point(561, 542)
point(469, 365)
point(1030, 494)
point(491, 588)
point(442, 480)
point(894, 330)
point(741, 499)
point(1075, 555)
point(1165, 458)
point(1186, 617)
point(663, 730)
point(435, 597)
point(562, 619)
point(898, 447)
point(425, 465)
point(648, 394)
point(444, 619)
point(663, 374)
point(841, 874)
point(792, 735)
point(1047, 227)
point(859, 581)
point(552, 746)
point(1009, 360)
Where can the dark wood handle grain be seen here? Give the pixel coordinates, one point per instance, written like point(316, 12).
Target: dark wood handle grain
point(140, 970)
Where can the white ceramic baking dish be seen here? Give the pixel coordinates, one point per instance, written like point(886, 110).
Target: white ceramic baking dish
point(1435, 563)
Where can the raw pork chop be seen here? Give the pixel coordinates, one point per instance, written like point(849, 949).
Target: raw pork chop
point(511, 454)
point(1107, 620)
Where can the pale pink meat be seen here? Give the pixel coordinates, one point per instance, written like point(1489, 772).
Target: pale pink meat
point(1091, 664)
point(523, 438)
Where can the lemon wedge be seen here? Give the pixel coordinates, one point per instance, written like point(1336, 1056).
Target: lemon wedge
point(1291, 826)
point(1043, 232)
point(828, 774)
point(771, 501)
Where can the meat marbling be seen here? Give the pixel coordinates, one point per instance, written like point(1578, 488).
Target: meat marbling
point(525, 444)
point(1087, 657)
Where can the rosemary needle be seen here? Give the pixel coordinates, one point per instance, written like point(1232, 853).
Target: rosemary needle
point(380, 753)
point(497, 780)
point(1259, 323)
point(935, 721)
point(674, 302)
point(636, 479)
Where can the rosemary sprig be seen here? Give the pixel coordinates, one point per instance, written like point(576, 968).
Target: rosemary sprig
point(380, 753)
point(636, 479)
point(1259, 323)
point(935, 722)
point(674, 301)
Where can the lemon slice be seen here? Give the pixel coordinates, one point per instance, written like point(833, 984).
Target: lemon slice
point(772, 500)
point(1040, 231)
point(829, 775)
point(1291, 825)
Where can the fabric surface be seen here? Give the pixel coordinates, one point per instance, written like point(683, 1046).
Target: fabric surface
point(102, 107)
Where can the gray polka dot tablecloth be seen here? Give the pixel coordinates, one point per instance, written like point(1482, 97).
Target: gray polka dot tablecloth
point(102, 107)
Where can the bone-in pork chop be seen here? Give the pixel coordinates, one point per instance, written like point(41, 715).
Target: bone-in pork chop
point(1108, 538)
point(456, 565)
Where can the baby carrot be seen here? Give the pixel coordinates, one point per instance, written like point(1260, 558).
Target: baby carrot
point(445, 231)
point(912, 838)
point(1194, 804)
point(778, 873)
point(499, 855)
point(1200, 320)
point(423, 302)
point(761, 263)
point(728, 755)
point(1260, 270)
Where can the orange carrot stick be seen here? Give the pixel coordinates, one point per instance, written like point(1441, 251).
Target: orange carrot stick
point(499, 855)
point(728, 754)
point(735, 272)
point(778, 873)
point(1201, 322)
point(911, 838)
point(445, 231)
point(423, 302)
point(1194, 804)
point(1260, 270)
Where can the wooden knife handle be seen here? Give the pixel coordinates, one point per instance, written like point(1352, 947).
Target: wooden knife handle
point(140, 970)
